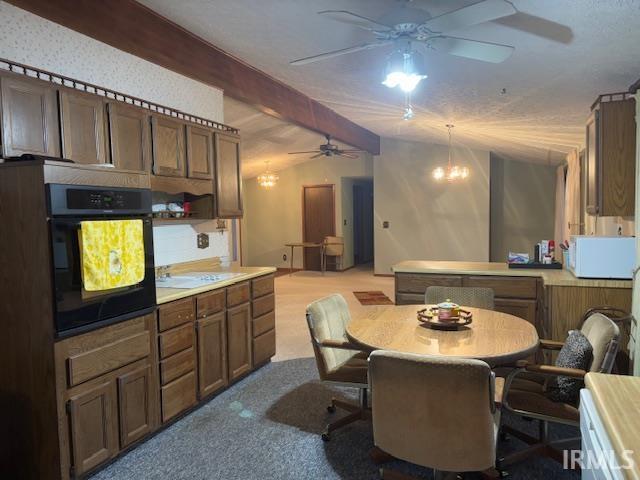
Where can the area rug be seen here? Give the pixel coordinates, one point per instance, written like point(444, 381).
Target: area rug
point(374, 297)
point(268, 426)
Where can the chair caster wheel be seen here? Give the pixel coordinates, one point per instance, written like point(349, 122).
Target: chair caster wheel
point(325, 437)
point(331, 409)
point(503, 474)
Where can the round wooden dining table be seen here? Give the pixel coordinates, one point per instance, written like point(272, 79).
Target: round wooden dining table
point(494, 337)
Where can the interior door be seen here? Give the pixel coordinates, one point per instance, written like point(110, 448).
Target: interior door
point(318, 220)
point(130, 137)
point(29, 118)
point(83, 127)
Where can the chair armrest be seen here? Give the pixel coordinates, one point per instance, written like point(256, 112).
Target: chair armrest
point(551, 345)
point(340, 344)
point(555, 371)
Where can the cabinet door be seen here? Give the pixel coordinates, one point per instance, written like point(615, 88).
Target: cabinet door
point(129, 134)
point(239, 340)
point(134, 405)
point(93, 431)
point(228, 176)
point(212, 354)
point(29, 118)
point(168, 147)
point(199, 153)
point(593, 164)
point(520, 308)
point(83, 127)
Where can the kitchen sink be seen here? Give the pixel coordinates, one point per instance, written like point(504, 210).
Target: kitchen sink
point(194, 280)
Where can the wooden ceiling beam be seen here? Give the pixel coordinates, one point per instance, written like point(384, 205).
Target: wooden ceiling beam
point(136, 29)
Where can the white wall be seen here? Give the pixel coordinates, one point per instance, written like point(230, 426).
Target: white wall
point(274, 217)
point(31, 40)
point(428, 220)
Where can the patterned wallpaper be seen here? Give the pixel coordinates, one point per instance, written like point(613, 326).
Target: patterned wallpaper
point(34, 41)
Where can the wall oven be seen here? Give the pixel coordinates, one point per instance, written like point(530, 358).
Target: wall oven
point(76, 309)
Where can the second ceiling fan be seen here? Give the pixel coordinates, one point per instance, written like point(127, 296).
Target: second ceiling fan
point(330, 149)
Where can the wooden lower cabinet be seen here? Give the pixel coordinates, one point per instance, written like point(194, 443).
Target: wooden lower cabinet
point(178, 396)
point(93, 427)
point(239, 342)
point(212, 354)
point(526, 309)
point(134, 405)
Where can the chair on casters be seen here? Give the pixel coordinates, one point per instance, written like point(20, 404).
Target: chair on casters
point(332, 247)
point(339, 362)
point(477, 297)
point(436, 412)
point(526, 390)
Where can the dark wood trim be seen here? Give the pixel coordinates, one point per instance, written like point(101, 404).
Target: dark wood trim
point(333, 231)
point(136, 29)
point(383, 275)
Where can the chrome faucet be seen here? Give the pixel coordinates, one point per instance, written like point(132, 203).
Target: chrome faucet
point(163, 272)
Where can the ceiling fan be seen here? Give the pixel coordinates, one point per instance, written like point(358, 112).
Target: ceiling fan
point(329, 150)
point(417, 26)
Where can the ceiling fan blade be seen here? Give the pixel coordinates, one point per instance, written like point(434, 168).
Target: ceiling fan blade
point(316, 155)
point(337, 53)
point(352, 150)
point(462, 47)
point(480, 12)
point(538, 26)
point(296, 153)
point(345, 154)
point(344, 16)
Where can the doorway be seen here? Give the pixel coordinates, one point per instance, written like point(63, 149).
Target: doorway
point(318, 220)
point(362, 222)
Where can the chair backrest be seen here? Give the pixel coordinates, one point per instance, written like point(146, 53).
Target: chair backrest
point(334, 246)
point(604, 336)
point(466, 296)
point(327, 319)
point(433, 411)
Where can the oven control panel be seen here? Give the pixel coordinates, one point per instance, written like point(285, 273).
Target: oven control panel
point(81, 199)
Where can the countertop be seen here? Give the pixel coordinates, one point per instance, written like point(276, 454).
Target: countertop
point(549, 277)
point(617, 398)
point(165, 295)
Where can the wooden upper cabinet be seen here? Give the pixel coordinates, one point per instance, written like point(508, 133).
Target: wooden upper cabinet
point(83, 122)
point(168, 139)
point(610, 154)
point(93, 427)
point(130, 137)
point(228, 176)
point(29, 117)
point(199, 153)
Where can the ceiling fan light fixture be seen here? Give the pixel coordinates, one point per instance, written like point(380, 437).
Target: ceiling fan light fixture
point(404, 70)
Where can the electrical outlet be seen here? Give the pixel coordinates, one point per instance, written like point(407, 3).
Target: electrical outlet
point(203, 240)
point(344, 222)
point(385, 224)
point(284, 257)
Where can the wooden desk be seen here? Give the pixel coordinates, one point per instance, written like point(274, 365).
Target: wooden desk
point(301, 245)
point(494, 337)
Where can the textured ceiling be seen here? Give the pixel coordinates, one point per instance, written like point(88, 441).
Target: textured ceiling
point(549, 84)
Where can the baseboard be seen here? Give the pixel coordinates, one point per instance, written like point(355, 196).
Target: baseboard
point(280, 271)
point(383, 275)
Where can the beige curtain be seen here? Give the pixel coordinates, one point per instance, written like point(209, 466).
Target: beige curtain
point(560, 208)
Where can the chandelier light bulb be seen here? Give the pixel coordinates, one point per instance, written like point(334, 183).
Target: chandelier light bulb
point(451, 172)
point(268, 179)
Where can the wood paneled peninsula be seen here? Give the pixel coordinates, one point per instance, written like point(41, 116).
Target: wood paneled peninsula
point(553, 300)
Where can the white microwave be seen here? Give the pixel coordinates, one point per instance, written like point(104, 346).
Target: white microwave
point(602, 257)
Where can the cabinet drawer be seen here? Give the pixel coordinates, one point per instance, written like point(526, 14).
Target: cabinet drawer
point(264, 323)
point(176, 340)
point(237, 294)
point(264, 347)
point(210, 303)
point(92, 363)
point(418, 283)
point(178, 396)
point(175, 313)
point(263, 305)
point(505, 287)
point(262, 286)
point(176, 366)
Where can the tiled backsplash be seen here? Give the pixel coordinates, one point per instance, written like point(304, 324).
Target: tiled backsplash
point(178, 243)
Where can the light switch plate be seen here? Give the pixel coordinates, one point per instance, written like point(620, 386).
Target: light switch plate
point(203, 240)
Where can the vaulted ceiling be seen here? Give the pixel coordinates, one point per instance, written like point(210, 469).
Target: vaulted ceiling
point(566, 53)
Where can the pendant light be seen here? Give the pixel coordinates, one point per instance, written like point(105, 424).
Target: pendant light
point(451, 172)
point(268, 179)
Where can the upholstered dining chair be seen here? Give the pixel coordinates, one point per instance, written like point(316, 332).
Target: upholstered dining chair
point(332, 247)
point(338, 361)
point(468, 296)
point(526, 389)
point(440, 413)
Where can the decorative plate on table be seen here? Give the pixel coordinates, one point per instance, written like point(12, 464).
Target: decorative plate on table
point(429, 318)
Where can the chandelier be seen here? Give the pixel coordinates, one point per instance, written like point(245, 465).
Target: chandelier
point(268, 179)
point(451, 172)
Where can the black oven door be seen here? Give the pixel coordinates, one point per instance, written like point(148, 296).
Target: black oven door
point(77, 310)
